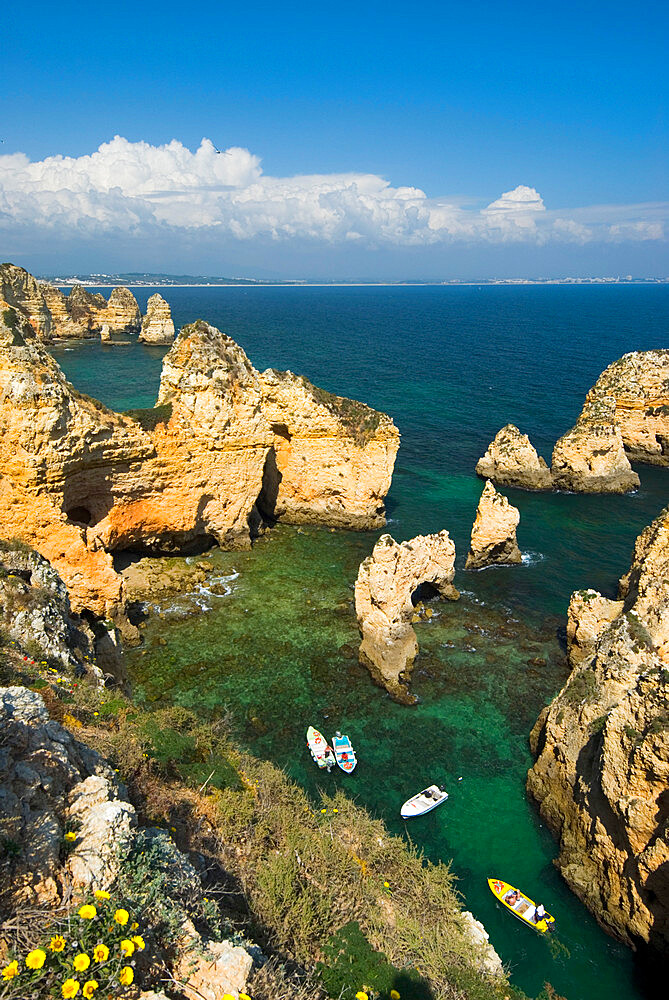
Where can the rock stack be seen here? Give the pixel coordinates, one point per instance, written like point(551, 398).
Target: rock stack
point(157, 325)
point(383, 603)
point(511, 460)
point(493, 539)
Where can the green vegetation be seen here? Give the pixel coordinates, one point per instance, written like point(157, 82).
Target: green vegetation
point(582, 687)
point(149, 419)
point(359, 420)
point(11, 320)
point(348, 958)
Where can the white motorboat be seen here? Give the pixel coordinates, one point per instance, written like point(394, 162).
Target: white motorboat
point(424, 802)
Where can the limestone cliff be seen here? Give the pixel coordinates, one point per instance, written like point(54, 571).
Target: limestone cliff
point(511, 460)
point(83, 308)
point(21, 291)
point(383, 603)
point(638, 385)
point(157, 325)
point(602, 748)
point(62, 324)
point(493, 538)
point(332, 458)
point(78, 481)
point(590, 458)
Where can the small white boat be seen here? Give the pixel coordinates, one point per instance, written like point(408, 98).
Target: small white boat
point(424, 802)
point(319, 749)
point(344, 752)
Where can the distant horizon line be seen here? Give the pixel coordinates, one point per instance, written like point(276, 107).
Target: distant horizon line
point(163, 280)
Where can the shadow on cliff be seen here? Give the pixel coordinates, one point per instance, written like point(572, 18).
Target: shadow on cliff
point(269, 492)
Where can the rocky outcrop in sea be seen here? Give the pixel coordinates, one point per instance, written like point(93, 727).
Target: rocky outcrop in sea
point(512, 460)
point(493, 540)
point(591, 458)
point(602, 750)
point(386, 583)
point(625, 418)
point(157, 325)
point(218, 454)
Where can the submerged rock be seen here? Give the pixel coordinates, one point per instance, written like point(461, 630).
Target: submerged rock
point(493, 538)
point(383, 603)
point(511, 460)
point(157, 325)
point(590, 458)
point(602, 747)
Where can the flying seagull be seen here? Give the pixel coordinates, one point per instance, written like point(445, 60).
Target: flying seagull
point(225, 152)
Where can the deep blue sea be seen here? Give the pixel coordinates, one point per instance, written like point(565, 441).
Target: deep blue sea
point(451, 365)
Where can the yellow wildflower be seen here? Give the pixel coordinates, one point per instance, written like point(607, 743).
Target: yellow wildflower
point(134, 925)
point(36, 959)
point(227, 996)
point(57, 943)
point(70, 837)
point(89, 988)
point(335, 810)
point(323, 810)
point(101, 894)
point(127, 947)
point(81, 962)
point(87, 912)
point(121, 917)
point(386, 885)
point(69, 989)
point(10, 970)
point(126, 976)
point(361, 995)
point(394, 995)
point(138, 942)
point(244, 996)
point(101, 953)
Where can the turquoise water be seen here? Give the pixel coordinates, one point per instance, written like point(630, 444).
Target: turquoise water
point(278, 651)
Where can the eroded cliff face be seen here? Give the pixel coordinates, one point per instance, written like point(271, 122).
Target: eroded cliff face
point(78, 481)
point(493, 540)
point(332, 459)
point(121, 314)
point(602, 772)
point(590, 458)
point(20, 290)
point(512, 460)
point(638, 385)
point(383, 603)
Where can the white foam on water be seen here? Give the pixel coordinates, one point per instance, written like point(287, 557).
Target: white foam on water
point(532, 558)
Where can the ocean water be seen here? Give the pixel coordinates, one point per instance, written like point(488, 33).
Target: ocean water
point(276, 650)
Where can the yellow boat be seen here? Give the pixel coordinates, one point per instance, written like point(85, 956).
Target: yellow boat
point(520, 905)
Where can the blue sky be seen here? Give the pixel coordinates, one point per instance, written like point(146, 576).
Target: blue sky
point(451, 106)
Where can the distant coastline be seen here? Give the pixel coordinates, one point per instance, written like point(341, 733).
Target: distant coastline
point(190, 281)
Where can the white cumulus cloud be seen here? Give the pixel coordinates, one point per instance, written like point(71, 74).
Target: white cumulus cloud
point(136, 188)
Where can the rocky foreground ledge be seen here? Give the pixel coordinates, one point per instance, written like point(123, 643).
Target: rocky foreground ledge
point(224, 450)
point(601, 777)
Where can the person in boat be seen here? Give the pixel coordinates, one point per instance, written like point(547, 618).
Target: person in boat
point(539, 913)
point(512, 897)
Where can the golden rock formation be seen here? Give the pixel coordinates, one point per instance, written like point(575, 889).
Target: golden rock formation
point(157, 325)
point(383, 603)
point(511, 460)
point(590, 458)
point(602, 747)
point(78, 481)
point(20, 290)
point(638, 385)
point(494, 531)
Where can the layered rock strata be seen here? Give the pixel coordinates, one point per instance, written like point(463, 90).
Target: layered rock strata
point(637, 385)
point(511, 460)
point(157, 325)
point(602, 748)
point(78, 481)
point(121, 314)
point(590, 458)
point(383, 603)
point(493, 539)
